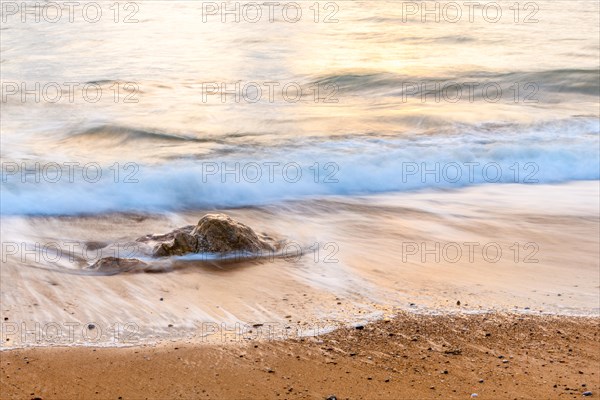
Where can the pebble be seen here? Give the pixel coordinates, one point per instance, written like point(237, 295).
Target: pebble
point(359, 327)
point(481, 381)
point(332, 397)
point(587, 394)
point(474, 395)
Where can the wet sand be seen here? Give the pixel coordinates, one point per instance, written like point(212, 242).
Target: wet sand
point(495, 356)
point(356, 266)
point(283, 327)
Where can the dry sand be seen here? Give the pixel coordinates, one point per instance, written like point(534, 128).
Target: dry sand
point(410, 357)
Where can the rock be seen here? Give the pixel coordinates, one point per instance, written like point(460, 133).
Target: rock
point(454, 352)
point(182, 243)
point(473, 395)
point(218, 233)
point(214, 233)
point(332, 397)
point(115, 265)
point(92, 246)
point(587, 394)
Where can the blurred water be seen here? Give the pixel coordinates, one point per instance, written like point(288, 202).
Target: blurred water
point(373, 61)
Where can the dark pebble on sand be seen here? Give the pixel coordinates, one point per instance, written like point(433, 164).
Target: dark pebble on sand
point(586, 394)
point(332, 397)
point(91, 326)
point(359, 327)
point(161, 299)
point(458, 303)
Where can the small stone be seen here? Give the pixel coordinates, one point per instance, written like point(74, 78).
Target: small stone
point(161, 299)
point(455, 352)
point(458, 303)
point(481, 381)
point(445, 372)
point(359, 327)
point(474, 395)
point(91, 326)
point(332, 397)
point(504, 361)
point(587, 394)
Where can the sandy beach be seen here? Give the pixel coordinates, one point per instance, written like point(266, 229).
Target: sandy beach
point(316, 199)
point(208, 329)
point(495, 356)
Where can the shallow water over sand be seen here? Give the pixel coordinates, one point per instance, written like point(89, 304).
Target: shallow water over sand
point(362, 258)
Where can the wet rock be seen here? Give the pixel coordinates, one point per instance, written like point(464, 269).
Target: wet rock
point(92, 246)
point(218, 233)
point(115, 265)
point(214, 233)
point(182, 243)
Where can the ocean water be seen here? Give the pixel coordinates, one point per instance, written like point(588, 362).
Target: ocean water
point(143, 114)
point(364, 133)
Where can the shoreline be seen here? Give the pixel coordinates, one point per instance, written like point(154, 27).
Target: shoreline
point(410, 356)
point(386, 269)
point(212, 333)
